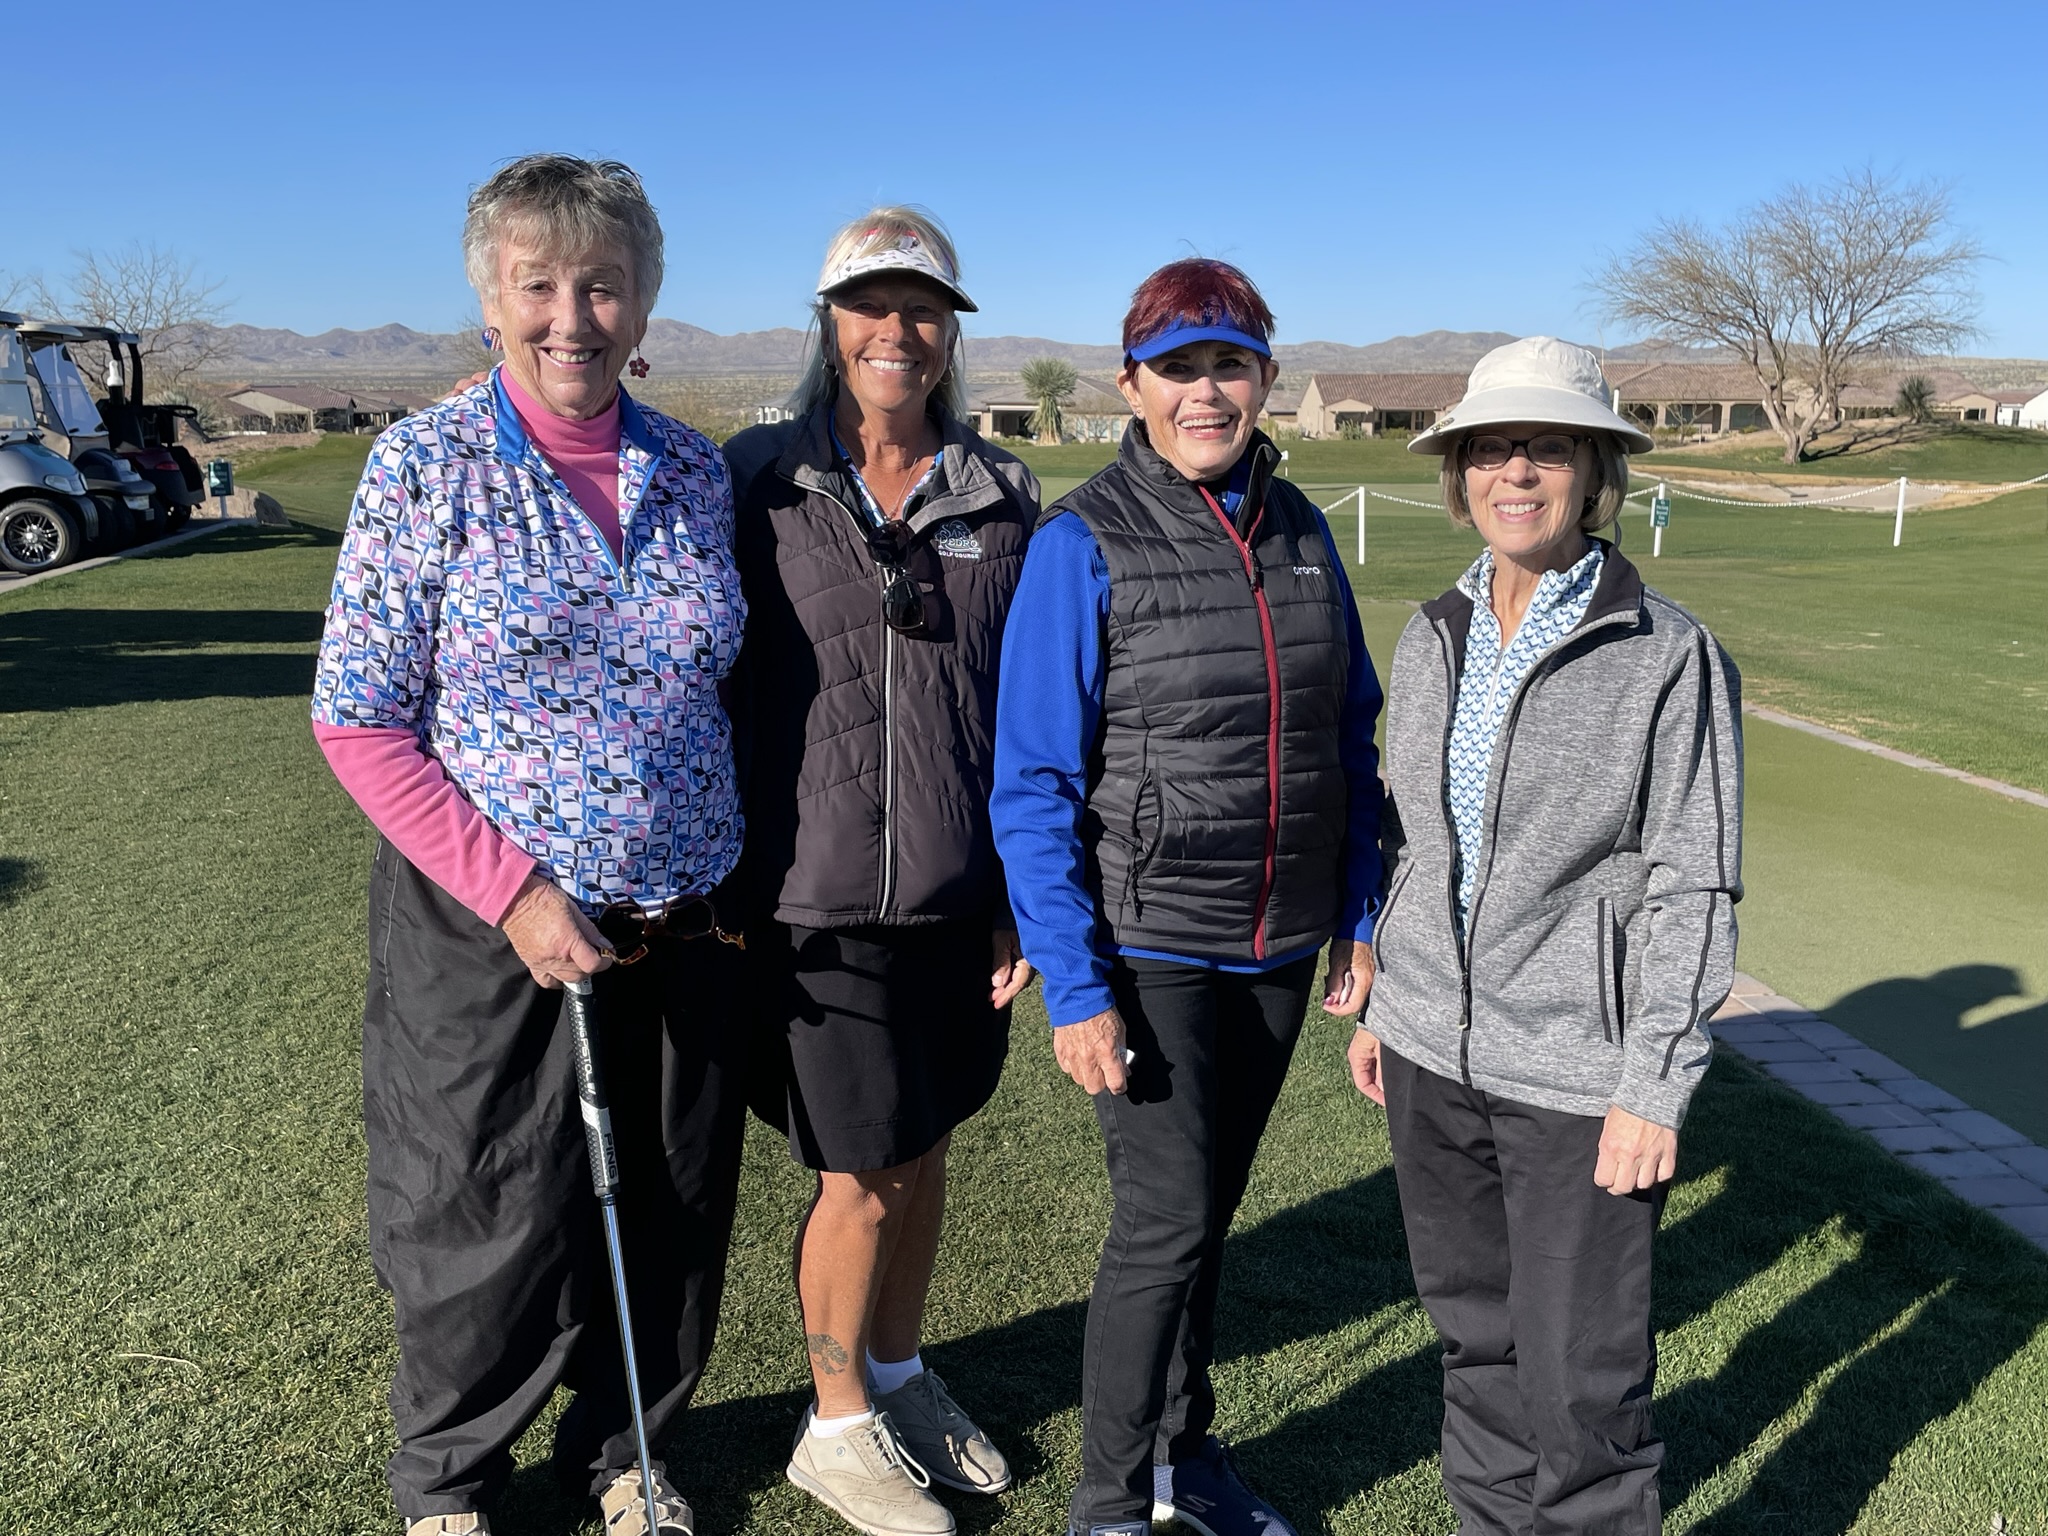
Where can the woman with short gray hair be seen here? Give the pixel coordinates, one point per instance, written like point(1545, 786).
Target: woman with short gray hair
point(1564, 752)
point(534, 608)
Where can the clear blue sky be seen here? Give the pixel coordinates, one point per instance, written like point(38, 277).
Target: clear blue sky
point(1378, 169)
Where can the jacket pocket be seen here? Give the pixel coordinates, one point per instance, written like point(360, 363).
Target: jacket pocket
point(1143, 847)
point(1379, 927)
point(1607, 977)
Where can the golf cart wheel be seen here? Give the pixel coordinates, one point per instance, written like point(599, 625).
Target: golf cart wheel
point(117, 526)
point(36, 536)
point(177, 518)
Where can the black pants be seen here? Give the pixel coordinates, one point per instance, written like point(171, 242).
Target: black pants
point(1538, 1281)
point(482, 1222)
point(1213, 1050)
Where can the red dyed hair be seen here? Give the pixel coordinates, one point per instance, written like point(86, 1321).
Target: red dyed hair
point(1199, 291)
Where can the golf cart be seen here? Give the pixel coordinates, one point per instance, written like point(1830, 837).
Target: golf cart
point(46, 516)
point(147, 435)
point(70, 419)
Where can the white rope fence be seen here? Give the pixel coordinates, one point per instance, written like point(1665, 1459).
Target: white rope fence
point(1663, 490)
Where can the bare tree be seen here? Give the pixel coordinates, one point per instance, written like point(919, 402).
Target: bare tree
point(1807, 288)
point(151, 291)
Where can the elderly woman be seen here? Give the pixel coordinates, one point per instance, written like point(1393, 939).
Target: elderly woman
point(535, 604)
point(880, 541)
point(1187, 805)
point(1564, 748)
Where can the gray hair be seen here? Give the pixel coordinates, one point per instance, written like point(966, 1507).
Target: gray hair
point(877, 229)
point(1603, 504)
point(565, 207)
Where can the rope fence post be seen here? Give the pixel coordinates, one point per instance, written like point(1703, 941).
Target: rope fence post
point(1659, 510)
point(1899, 519)
point(1360, 494)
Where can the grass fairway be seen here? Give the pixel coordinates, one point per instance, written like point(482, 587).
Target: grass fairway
point(190, 1339)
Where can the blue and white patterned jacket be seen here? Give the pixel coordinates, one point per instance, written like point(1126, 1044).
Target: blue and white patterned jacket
point(571, 696)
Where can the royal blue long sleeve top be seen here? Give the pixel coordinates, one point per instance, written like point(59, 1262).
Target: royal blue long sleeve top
point(1055, 657)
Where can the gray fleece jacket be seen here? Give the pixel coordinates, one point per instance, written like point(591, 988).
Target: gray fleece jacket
point(1602, 929)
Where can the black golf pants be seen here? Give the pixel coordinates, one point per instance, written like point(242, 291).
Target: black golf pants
point(1212, 1051)
point(482, 1222)
point(1538, 1281)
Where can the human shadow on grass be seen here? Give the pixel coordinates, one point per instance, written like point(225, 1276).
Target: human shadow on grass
point(54, 659)
point(18, 878)
point(1301, 1273)
point(1995, 1065)
point(1957, 1294)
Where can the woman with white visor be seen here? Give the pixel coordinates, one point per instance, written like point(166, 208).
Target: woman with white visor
point(1564, 749)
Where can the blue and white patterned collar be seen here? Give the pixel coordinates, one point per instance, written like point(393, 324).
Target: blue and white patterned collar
point(1554, 589)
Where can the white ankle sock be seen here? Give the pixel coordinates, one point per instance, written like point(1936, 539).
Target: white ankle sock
point(825, 1429)
point(891, 1375)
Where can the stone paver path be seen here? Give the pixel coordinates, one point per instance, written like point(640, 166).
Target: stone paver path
point(1979, 1159)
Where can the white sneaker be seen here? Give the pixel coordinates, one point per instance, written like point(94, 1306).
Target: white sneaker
point(470, 1523)
point(624, 1503)
point(864, 1475)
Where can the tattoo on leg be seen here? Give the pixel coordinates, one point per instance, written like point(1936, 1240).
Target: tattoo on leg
point(827, 1353)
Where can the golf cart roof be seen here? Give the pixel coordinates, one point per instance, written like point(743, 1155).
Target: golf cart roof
point(54, 329)
point(10, 318)
point(104, 333)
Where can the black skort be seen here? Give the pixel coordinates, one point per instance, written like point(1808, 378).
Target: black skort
point(874, 1042)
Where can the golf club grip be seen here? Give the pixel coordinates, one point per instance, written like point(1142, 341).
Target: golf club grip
point(597, 1114)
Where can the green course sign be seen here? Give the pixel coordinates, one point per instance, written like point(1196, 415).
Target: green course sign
point(1660, 512)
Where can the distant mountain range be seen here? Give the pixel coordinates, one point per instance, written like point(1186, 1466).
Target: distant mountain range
point(253, 354)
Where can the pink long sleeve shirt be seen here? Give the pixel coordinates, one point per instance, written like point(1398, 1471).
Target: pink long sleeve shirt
point(404, 790)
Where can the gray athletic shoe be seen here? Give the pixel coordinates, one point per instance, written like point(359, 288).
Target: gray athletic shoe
point(934, 1430)
point(468, 1524)
point(868, 1479)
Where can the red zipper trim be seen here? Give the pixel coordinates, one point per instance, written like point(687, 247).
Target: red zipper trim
point(1251, 575)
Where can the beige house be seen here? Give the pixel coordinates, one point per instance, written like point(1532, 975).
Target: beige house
point(309, 408)
point(1368, 404)
point(1095, 413)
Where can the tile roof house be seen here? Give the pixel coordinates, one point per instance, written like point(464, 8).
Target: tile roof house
point(1367, 404)
point(1095, 413)
point(311, 408)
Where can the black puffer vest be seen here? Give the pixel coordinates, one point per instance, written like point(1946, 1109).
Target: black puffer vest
point(1217, 801)
point(867, 755)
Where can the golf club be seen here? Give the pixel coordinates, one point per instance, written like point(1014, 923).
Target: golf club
point(604, 1179)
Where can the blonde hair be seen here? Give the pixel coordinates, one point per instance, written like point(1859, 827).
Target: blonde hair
point(565, 207)
point(1603, 502)
point(876, 230)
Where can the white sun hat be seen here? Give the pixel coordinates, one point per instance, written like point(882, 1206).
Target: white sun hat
point(1540, 380)
point(907, 253)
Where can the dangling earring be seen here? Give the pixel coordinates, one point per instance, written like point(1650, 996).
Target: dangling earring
point(639, 366)
point(489, 337)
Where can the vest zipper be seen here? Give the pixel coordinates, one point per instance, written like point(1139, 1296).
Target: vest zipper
point(888, 767)
point(888, 855)
point(1272, 650)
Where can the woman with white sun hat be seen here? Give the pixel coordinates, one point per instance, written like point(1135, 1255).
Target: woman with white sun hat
point(1564, 751)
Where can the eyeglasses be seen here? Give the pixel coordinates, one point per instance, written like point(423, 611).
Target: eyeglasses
point(1546, 450)
point(628, 930)
point(902, 599)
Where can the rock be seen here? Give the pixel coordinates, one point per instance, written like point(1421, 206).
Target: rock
point(244, 501)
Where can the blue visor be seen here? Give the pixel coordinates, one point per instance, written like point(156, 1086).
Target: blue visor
point(1182, 332)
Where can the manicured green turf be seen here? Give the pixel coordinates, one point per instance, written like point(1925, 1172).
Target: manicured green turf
point(190, 1339)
